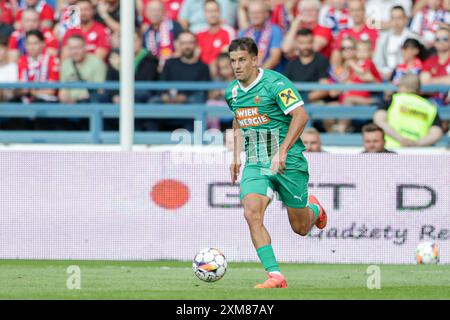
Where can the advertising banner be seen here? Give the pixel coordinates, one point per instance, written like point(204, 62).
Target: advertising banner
point(168, 205)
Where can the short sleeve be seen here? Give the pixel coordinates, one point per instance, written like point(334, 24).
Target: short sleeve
point(286, 95)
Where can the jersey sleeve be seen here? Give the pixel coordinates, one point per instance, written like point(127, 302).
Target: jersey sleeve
point(286, 95)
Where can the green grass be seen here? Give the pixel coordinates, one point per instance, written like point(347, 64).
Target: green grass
point(21, 279)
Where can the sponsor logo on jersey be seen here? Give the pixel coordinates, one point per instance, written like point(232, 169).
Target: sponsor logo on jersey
point(250, 117)
point(288, 97)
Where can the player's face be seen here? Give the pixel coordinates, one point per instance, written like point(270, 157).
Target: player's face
point(243, 64)
point(34, 46)
point(212, 13)
point(373, 141)
point(312, 142)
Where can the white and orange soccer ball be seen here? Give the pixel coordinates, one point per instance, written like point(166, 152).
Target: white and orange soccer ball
point(209, 265)
point(427, 252)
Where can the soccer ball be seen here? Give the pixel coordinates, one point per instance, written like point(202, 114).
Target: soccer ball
point(427, 253)
point(209, 265)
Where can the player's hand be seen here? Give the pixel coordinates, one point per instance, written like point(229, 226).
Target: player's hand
point(235, 168)
point(279, 162)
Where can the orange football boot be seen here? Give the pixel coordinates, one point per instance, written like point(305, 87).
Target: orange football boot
point(274, 281)
point(322, 220)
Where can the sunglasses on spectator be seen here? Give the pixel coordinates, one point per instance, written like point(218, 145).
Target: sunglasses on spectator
point(444, 39)
point(348, 48)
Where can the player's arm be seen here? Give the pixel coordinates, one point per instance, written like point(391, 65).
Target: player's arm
point(298, 123)
point(237, 148)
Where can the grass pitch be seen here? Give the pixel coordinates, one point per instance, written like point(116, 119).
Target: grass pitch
point(175, 280)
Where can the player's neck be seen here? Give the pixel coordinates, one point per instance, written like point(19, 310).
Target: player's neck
point(251, 79)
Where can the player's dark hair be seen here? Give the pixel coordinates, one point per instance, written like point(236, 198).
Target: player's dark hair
point(304, 32)
point(371, 127)
point(245, 44)
point(36, 33)
point(399, 8)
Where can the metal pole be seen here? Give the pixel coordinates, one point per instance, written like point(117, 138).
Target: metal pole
point(127, 74)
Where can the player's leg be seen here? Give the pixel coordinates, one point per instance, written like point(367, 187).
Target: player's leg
point(256, 193)
point(304, 212)
point(254, 208)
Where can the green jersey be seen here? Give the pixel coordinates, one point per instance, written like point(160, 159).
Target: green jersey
point(262, 111)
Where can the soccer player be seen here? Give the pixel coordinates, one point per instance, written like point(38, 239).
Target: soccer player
point(269, 119)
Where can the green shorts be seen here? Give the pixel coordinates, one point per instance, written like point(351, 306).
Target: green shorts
point(291, 187)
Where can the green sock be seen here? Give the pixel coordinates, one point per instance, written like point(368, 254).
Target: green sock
point(315, 209)
point(267, 257)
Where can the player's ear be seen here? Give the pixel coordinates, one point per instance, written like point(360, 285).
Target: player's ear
point(254, 61)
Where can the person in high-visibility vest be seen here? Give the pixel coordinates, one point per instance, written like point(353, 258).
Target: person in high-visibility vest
point(408, 119)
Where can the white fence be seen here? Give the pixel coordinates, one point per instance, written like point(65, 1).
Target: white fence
point(167, 205)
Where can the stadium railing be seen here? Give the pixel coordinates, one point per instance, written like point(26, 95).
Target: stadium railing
point(97, 112)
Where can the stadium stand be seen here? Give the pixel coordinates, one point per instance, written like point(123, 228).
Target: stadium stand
point(407, 37)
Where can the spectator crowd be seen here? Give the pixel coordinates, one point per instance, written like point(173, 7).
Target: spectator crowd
point(328, 41)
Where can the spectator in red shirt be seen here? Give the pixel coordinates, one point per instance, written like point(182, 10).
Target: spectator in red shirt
point(172, 7)
point(46, 13)
point(97, 36)
point(284, 13)
point(308, 18)
point(160, 36)
point(436, 69)
point(30, 21)
point(359, 31)
point(356, 67)
point(37, 66)
point(217, 37)
point(6, 12)
point(362, 70)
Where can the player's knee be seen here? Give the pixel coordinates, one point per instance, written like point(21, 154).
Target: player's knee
point(300, 229)
point(253, 216)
